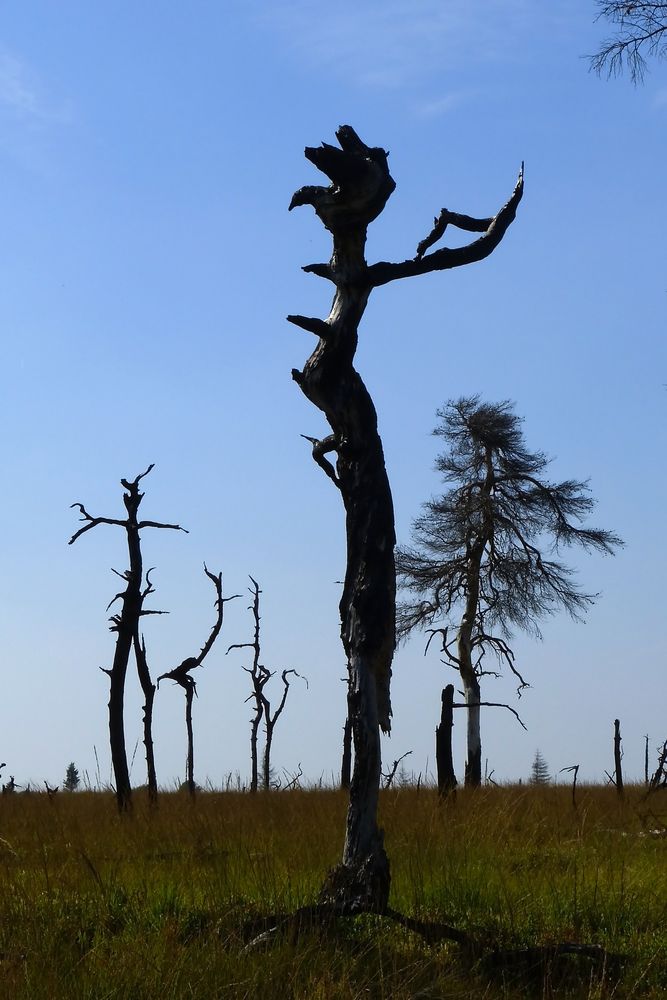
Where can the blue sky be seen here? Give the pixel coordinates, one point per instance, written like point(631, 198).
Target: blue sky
point(148, 156)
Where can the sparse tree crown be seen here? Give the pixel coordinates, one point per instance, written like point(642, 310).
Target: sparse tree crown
point(640, 29)
point(501, 510)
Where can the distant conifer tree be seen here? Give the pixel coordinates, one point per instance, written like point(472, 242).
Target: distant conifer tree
point(539, 771)
point(72, 779)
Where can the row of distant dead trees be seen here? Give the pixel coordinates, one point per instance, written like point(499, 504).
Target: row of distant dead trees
point(130, 642)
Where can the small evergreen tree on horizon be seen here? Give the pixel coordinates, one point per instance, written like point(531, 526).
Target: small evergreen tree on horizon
point(72, 779)
point(539, 771)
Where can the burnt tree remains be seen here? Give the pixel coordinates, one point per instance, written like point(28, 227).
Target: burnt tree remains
point(126, 626)
point(181, 674)
point(260, 676)
point(359, 189)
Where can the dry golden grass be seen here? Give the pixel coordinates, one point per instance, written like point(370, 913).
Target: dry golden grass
point(155, 905)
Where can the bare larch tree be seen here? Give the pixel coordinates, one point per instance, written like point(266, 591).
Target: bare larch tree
point(126, 626)
point(484, 558)
point(640, 30)
point(359, 189)
point(181, 674)
point(260, 676)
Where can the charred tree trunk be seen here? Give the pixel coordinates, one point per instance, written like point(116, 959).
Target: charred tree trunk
point(443, 744)
point(471, 689)
point(190, 691)
point(361, 185)
point(125, 624)
point(148, 689)
point(618, 767)
point(346, 763)
point(367, 608)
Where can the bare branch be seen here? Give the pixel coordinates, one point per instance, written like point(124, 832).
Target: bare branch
point(312, 324)
point(159, 524)
point(490, 704)
point(641, 28)
point(383, 272)
point(389, 777)
point(92, 522)
point(446, 218)
point(322, 448)
point(132, 485)
point(321, 270)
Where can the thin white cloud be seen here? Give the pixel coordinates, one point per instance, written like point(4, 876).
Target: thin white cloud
point(16, 94)
point(392, 43)
point(21, 97)
point(442, 105)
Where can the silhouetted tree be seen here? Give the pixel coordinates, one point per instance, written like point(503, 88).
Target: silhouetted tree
point(640, 29)
point(181, 674)
point(484, 553)
point(359, 189)
point(126, 626)
point(260, 676)
point(72, 779)
point(539, 770)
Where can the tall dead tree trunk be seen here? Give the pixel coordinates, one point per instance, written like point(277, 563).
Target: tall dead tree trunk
point(260, 676)
point(181, 674)
point(361, 185)
point(443, 743)
point(618, 755)
point(125, 624)
point(148, 689)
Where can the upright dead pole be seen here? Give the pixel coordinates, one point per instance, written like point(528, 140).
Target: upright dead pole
point(181, 674)
point(259, 675)
point(360, 186)
point(126, 626)
point(443, 744)
point(618, 769)
point(148, 689)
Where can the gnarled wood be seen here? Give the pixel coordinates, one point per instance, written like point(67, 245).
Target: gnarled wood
point(359, 189)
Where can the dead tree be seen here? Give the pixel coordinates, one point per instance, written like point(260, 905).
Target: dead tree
point(618, 756)
point(390, 775)
point(260, 676)
point(126, 626)
point(270, 721)
point(574, 771)
point(181, 674)
point(359, 189)
point(443, 744)
point(659, 776)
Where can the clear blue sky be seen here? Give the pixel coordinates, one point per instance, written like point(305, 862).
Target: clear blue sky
point(148, 154)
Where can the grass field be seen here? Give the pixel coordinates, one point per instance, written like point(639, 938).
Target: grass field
point(157, 905)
